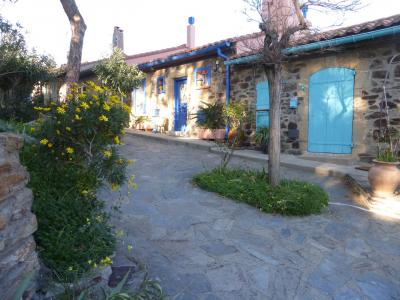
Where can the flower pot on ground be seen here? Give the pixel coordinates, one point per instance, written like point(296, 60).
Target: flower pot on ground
point(211, 134)
point(384, 178)
point(261, 138)
point(211, 121)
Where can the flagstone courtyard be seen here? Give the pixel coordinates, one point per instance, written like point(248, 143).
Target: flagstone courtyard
point(203, 246)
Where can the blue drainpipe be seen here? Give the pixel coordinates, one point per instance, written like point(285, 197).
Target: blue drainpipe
point(227, 84)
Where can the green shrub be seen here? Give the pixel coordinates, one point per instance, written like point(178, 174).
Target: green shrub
point(289, 198)
point(211, 115)
point(74, 153)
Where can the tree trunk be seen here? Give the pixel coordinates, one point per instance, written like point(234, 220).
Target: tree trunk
point(274, 75)
point(78, 28)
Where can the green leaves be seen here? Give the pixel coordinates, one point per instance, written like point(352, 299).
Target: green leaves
point(289, 198)
point(116, 74)
point(20, 71)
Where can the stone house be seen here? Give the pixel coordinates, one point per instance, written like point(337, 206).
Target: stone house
point(333, 87)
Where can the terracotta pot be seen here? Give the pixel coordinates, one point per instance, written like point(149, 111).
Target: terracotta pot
point(211, 134)
point(384, 178)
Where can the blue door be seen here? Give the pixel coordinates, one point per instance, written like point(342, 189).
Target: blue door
point(180, 93)
point(330, 127)
point(262, 105)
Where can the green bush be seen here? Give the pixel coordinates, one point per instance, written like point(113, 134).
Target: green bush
point(289, 198)
point(211, 115)
point(74, 153)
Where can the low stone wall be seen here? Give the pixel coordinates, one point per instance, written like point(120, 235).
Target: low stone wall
point(17, 223)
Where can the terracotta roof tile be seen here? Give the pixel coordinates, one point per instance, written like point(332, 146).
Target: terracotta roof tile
point(310, 37)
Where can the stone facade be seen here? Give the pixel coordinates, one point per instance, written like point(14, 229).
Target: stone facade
point(165, 102)
point(370, 61)
point(17, 222)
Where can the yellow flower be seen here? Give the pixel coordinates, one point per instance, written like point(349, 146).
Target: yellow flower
point(131, 183)
point(69, 150)
point(58, 132)
point(95, 97)
point(123, 132)
point(114, 187)
point(78, 110)
point(106, 107)
point(103, 118)
point(44, 141)
point(84, 192)
point(32, 129)
point(130, 247)
point(68, 128)
point(49, 145)
point(130, 161)
point(70, 158)
point(78, 117)
point(46, 108)
point(107, 153)
point(37, 108)
point(60, 110)
point(81, 96)
point(116, 140)
point(106, 261)
point(84, 105)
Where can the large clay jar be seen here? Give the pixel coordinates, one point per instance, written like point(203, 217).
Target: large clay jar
point(384, 178)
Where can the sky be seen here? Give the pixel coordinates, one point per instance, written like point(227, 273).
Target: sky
point(152, 24)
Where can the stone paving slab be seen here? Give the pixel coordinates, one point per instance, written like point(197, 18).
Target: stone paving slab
point(287, 160)
point(203, 246)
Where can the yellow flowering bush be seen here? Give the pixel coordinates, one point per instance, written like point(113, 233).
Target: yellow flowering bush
point(77, 146)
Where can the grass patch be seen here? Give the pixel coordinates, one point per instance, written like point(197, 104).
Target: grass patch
point(291, 197)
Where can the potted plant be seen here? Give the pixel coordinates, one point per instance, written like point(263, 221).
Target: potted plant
point(237, 116)
point(261, 138)
point(211, 121)
point(384, 175)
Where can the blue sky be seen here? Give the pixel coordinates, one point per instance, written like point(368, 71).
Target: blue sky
point(150, 25)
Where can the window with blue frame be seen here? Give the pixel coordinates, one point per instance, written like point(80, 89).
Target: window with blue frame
point(262, 105)
point(160, 85)
point(203, 77)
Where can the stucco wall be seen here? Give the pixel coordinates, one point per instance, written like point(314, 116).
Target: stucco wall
point(370, 62)
point(166, 101)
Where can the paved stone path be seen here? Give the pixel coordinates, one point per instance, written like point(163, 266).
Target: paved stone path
point(202, 246)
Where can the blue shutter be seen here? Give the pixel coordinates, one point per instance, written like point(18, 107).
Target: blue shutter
point(262, 96)
point(262, 105)
point(331, 111)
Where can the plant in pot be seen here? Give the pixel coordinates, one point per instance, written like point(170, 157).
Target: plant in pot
point(237, 116)
point(384, 175)
point(211, 121)
point(261, 138)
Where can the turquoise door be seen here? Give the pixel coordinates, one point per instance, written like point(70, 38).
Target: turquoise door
point(262, 106)
point(330, 128)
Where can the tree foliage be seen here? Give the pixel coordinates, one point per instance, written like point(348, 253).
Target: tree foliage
point(116, 74)
point(20, 71)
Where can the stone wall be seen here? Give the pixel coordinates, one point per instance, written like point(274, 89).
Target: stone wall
point(370, 62)
point(17, 223)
